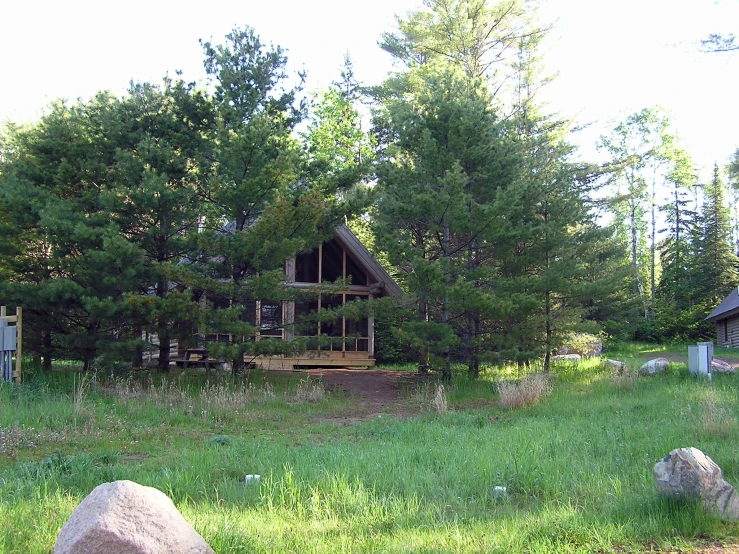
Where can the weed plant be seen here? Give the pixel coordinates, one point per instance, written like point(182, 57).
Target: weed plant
point(525, 392)
point(577, 464)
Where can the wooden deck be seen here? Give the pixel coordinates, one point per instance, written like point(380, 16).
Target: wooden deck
point(198, 358)
point(315, 359)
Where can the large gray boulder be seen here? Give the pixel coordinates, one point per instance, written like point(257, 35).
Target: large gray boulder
point(689, 473)
point(124, 517)
point(652, 367)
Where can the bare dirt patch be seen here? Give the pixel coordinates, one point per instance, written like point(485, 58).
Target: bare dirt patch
point(377, 391)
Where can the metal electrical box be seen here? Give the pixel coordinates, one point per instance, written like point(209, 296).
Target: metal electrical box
point(9, 338)
point(700, 359)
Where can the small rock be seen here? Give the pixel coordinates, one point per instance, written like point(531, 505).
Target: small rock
point(652, 367)
point(252, 478)
point(689, 473)
point(720, 366)
point(571, 358)
point(125, 517)
point(500, 492)
point(615, 364)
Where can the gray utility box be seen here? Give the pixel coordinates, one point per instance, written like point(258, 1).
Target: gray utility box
point(700, 358)
point(8, 344)
point(7, 338)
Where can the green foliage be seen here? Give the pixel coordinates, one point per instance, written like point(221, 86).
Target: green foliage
point(639, 146)
point(131, 215)
point(486, 219)
point(715, 262)
point(576, 468)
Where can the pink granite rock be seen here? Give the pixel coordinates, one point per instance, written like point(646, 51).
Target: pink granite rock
point(124, 517)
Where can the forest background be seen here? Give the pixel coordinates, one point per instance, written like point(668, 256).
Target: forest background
point(460, 180)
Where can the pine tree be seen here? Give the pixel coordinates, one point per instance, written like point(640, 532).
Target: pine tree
point(436, 189)
point(715, 263)
point(551, 222)
point(265, 201)
point(676, 290)
point(104, 192)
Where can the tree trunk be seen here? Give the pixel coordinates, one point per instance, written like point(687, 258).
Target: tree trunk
point(548, 330)
point(165, 341)
point(547, 302)
point(423, 351)
point(653, 253)
point(473, 322)
point(137, 359)
point(46, 350)
point(634, 244)
point(446, 371)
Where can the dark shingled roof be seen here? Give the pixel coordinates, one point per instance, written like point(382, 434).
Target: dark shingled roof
point(729, 307)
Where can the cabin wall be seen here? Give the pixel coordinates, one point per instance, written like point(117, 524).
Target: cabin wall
point(727, 332)
point(151, 353)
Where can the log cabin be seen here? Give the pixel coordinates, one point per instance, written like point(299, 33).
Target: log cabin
point(726, 318)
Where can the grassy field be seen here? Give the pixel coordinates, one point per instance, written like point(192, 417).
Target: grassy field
point(577, 464)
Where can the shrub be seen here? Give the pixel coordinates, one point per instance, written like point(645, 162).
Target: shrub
point(584, 344)
point(527, 391)
point(439, 402)
point(625, 378)
point(309, 391)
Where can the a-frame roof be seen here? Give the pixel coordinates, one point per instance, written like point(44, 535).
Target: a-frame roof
point(728, 307)
point(366, 260)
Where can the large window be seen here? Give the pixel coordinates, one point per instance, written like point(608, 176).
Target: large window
point(349, 332)
point(270, 319)
point(306, 266)
point(328, 263)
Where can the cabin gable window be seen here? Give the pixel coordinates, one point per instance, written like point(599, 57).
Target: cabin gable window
point(327, 264)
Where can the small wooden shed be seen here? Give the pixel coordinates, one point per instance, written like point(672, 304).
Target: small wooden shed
point(726, 318)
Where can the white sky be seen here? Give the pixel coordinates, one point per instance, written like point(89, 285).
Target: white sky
point(613, 57)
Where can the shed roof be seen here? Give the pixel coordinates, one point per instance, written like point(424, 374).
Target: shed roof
point(728, 307)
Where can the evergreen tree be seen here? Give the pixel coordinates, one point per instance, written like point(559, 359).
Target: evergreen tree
point(715, 263)
point(676, 290)
point(265, 202)
point(551, 223)
point(487, 219)
point(436, 190)
point(104, 192)
point(68, 269)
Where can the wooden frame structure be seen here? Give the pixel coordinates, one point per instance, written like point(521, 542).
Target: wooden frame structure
point(345, 342)
point(18, 320)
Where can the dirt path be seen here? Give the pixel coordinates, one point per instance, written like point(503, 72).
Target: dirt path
point(377, 389)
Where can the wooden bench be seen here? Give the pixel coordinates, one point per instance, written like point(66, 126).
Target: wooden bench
point(197, 357)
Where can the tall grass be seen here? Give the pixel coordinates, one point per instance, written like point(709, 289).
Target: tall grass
point(525, 392)
point(576, 464)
